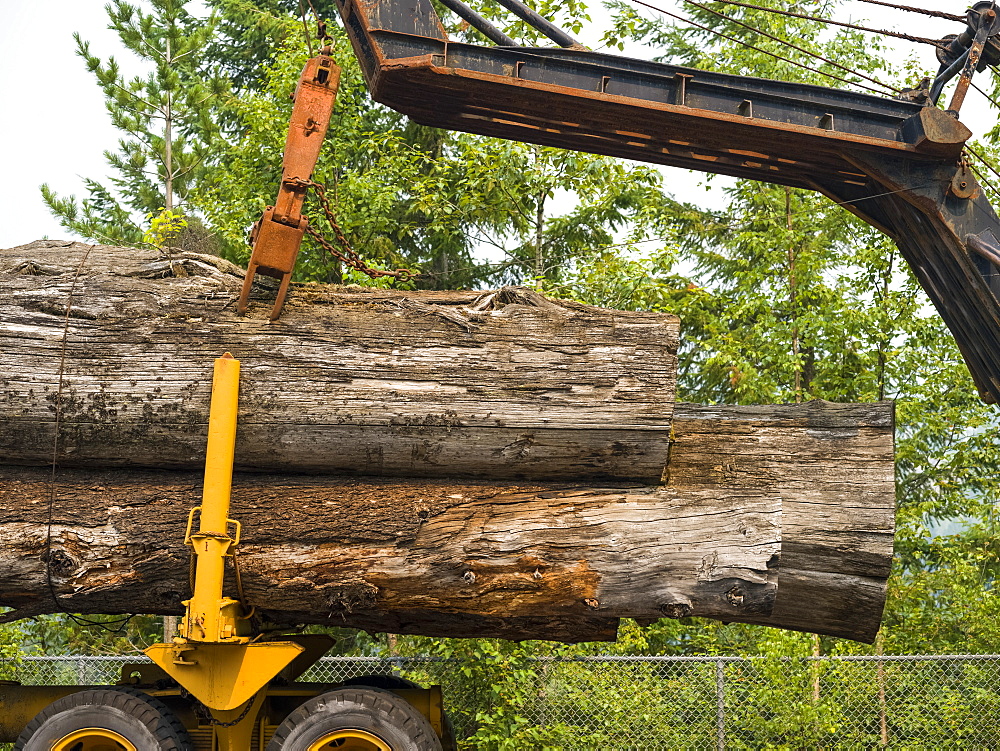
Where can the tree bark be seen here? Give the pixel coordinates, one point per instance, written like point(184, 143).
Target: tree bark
point(474, 558)
point(833, 466)
point(416, 556)
point(503, 384)
point(568, 491)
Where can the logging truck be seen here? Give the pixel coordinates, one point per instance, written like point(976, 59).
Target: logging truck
point(896, 163)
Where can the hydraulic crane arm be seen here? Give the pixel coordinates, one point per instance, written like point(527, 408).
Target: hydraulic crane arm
point(895, 163)
point(278, 233)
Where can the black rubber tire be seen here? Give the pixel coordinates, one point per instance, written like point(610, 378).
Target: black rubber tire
point(392, 682)
point(143, 720)
point(383, 681)
point(388, 717)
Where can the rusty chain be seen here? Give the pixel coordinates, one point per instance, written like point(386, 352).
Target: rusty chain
point(346, 254)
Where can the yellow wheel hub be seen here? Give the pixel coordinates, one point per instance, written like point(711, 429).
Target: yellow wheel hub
point(93, 739)
point(350, 740)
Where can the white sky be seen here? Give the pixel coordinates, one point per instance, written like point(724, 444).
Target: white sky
point(54, 128)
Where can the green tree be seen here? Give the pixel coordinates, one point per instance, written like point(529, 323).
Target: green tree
point(407, 195)
point(167, 117)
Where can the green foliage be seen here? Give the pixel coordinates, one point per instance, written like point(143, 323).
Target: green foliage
point(166, 116)
point(407, 195)
point(62, 634)
point(164, 227)
point(11, 649)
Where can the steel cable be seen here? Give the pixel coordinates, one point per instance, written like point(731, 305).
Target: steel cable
point(982, 159)
point(758, 49)
point(830, 21)
point(790, 44)
point(305, 28)
point(985, 94)
point(119, 624)
point(924, 11)
point(984, 181)
point(665, 239)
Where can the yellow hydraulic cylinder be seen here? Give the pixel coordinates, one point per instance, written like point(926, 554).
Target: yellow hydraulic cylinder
point(210, 616)
point(215, 656)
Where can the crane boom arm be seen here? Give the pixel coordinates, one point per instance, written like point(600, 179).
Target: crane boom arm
point(895, 163)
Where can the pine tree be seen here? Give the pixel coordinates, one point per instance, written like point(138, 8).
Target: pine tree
point(167, 116)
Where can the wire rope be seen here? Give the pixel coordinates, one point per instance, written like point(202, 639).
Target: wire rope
point(719, 225)
point(305, 28)
point(775, 55)
point(830, 21)
point(985, 94)
point(982, 159)
point(119, 624)
point(909, 9)
point(984, 181)
point(790, 44)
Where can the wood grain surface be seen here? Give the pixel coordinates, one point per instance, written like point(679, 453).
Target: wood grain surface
point(497, 384)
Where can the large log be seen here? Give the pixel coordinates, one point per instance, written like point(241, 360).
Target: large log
point(493, 395)
point(417, 556)
point(514, 561)
point(504, 384)
point(832, 465)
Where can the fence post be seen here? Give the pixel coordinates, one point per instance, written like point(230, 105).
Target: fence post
point(720, 705)
point(883, 723)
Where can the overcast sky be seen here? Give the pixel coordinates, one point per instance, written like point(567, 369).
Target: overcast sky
point(54, 128)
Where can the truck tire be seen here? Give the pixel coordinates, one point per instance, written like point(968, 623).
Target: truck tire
point(140, 720)
point(391, 682)
point(381, 680)
point(362, 717)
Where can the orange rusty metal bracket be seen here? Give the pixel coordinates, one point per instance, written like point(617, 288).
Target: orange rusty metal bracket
point(278, 233)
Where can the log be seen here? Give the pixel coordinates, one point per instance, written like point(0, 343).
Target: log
point(482, 464)
point(832, 465)
point(504, 384)
point(416, 556)
point(540, 561)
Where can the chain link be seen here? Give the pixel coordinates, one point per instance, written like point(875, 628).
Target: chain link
point(346, 254)
point(662, 703)
point(206, 714)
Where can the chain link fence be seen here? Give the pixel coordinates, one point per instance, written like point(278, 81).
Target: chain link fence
point(650, 703)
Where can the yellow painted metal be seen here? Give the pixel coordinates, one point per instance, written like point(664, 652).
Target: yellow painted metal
point(213, 657)
point(429, 702)
point(239, 736)
point(313, 646)
point(211, 617)
point(224, 675)
point(350, 740)
point(93, 739)
point(18, 704)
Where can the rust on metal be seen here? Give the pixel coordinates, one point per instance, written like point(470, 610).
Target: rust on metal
point(278, 234)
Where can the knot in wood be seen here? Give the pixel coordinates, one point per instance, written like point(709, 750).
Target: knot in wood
point(60, 562)
point(591, 603)
point(675, 609)
point(469, 577)
point(735, 597)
